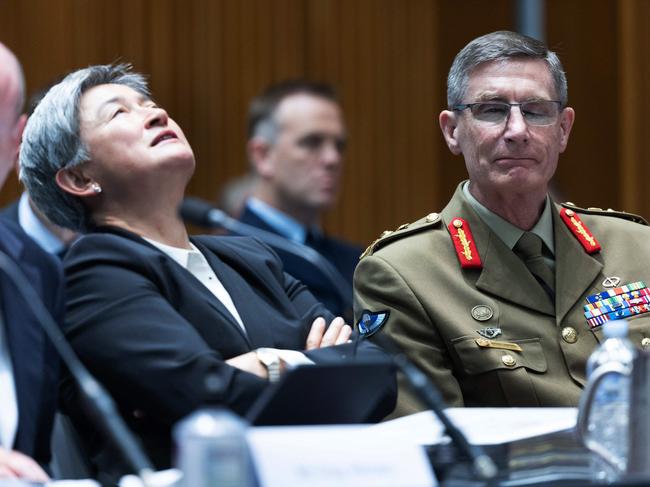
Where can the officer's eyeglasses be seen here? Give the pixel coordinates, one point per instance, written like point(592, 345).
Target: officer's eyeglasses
point(541, 112)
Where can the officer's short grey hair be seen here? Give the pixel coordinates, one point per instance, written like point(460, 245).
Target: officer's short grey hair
point(498, 46)
point(52, 141)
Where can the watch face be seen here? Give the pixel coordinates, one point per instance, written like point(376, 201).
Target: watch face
point(267, 356)
point(270, 359)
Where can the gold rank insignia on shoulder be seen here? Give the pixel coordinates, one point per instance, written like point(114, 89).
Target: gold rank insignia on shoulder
point(403, 230)
point(464, 244)
point(608, 212)
point(580, 231)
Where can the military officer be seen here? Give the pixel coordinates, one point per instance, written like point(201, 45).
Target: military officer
point(500, 297)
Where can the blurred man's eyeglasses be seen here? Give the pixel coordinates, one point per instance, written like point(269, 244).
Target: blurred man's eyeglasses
point(539, 113)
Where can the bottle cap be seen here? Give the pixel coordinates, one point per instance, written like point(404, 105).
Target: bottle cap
point(615, 329)
point(209, 423)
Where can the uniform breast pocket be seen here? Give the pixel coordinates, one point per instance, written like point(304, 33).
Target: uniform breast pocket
point(639, 330)
point(499, 372)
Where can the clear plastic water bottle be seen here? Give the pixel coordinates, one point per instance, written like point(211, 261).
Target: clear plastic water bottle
point(211, 449)
point(608, 421)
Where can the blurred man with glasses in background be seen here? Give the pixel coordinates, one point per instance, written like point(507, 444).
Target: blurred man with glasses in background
point(500, 297)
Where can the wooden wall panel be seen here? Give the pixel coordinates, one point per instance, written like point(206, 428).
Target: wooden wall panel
point(633, 105)
point(388, 60)
point(381, 55)
point(584, 34)
point(457, 27)
point(238, 48)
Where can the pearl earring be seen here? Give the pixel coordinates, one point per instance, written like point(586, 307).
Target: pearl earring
point(96, 188)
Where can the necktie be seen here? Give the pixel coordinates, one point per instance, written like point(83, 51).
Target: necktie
point(529, 249)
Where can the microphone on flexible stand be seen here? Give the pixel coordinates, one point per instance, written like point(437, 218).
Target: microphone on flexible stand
point(100, 403)
point(484, 467)
point(202, 213)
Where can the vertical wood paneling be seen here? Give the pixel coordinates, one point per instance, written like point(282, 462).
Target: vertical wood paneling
point(193, 105)
point(287, 38)
point(163, 52)
point(343, 68)
point(634, 104)
point(420, 83)
point(585, 36)
point(132, 30)
point(456, 27)
point(387, 58)
point(396, 143)
point(380, 54)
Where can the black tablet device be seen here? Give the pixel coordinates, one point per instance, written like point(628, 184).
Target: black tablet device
point(335, 393)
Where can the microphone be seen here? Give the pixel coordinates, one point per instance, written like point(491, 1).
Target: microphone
point(484, 467)
point(202, 213)
point(100, 403)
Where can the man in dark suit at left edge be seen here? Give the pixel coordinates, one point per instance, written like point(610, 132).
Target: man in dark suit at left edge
point(28, 361)
point(24, 213)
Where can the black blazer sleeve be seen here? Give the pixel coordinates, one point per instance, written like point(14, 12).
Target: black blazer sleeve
point(153, 334)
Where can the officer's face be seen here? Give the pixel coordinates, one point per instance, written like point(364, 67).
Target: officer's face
point(512, 156)
point(304, 164)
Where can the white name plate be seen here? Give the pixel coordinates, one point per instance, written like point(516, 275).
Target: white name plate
point(345, 456)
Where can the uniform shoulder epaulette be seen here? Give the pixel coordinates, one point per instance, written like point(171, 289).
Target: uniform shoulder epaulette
point(608, 212)
point(402, 231)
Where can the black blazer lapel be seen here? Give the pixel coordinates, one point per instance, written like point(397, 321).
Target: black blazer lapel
point(242, 295)
point(175, 268)
point(210, 298)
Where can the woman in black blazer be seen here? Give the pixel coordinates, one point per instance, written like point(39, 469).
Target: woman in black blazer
point(152, 312)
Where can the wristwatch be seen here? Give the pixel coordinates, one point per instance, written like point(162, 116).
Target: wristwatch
point(271, 360)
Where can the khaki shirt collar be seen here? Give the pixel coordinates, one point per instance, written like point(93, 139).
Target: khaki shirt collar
point(508, 232)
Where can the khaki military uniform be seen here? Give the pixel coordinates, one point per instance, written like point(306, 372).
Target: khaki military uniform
point(437, 309)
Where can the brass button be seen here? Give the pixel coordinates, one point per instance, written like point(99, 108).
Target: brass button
point(645, 343)
point(385, 233)
point(482, 342)
point(431, 217)
point(508, 360)
point(569, 213)
point(457, 223)
point(403, 226)
point(569, 334)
